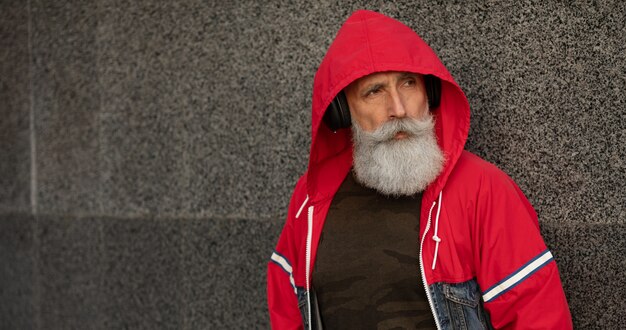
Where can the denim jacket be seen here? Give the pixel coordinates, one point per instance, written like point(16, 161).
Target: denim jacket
point(457, 306)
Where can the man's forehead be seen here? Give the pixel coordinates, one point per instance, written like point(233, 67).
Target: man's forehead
point(378, 77)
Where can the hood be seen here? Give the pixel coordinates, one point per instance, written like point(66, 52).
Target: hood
point(370, 42)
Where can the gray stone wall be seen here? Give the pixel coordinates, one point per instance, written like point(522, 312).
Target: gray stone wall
point(148, 149)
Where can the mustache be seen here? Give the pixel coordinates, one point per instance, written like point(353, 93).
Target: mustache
point(388, 130)
point(397, 167)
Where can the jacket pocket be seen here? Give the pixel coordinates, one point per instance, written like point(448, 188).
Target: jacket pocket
point(462, 293)
point(315, 319)
point(460, 306)
point(302, 306)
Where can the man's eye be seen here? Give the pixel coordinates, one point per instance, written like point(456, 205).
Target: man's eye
point(373, 92)
point(409, 82)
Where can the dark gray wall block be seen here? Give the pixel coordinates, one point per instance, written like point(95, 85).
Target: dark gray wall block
point(167, 136)
point(141, 279)
point(153, 273)
point(592, 265)
point(224, 272)
point(70, 270)
point(14, 107)
point(17, 274)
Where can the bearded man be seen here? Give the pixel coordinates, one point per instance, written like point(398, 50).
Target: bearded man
point(394, 225)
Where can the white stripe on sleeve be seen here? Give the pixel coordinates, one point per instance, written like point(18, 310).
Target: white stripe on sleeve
point(518, 276)
point(284, 264)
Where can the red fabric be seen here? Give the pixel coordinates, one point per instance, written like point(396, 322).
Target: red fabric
point(488, 229)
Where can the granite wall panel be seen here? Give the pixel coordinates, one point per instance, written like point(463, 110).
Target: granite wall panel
point(592, 266)
point(70, 269)
point(192, 108)
point(141, 278)
point(257, 113)
point(152, 90)
point(14, 107)
point(224, 268)
point(66, 104)
point(17, 273)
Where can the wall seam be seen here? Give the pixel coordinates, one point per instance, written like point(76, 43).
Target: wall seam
point(36, 299)
point(166, 216)
point(103, 255)
point(33, 144)
point(183, 304)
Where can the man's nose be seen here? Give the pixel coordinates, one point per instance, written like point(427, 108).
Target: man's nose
point(396, 106)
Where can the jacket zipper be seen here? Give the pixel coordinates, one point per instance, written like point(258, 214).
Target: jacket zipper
point(309, 237)
point(428, 295)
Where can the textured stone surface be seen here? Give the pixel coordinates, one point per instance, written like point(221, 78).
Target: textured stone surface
point(224, 272)
point(141, 277)
point(193, 118)
point(592, 263)
point(263, 57)
point(17, 298)
point(153, 112)
point(14, 107)
point(70, 270)
point(66, 104)
point(149, 102)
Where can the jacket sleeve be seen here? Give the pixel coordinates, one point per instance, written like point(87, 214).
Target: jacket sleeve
point(517, 274)
point(281, 288)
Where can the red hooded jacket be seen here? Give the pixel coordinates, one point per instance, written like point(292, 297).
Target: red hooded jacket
point(475, 223)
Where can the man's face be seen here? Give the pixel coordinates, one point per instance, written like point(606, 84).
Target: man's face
point(382, 96)
point(395, 146)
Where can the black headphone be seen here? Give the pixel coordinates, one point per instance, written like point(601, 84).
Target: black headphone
point(337, 114)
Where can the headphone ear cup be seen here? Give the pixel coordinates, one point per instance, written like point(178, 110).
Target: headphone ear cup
point(433, 91)
point(337, 114)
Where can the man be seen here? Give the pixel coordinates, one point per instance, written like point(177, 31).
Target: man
point(394, 225)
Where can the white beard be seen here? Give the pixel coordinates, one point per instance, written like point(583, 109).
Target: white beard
point(397, 167)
